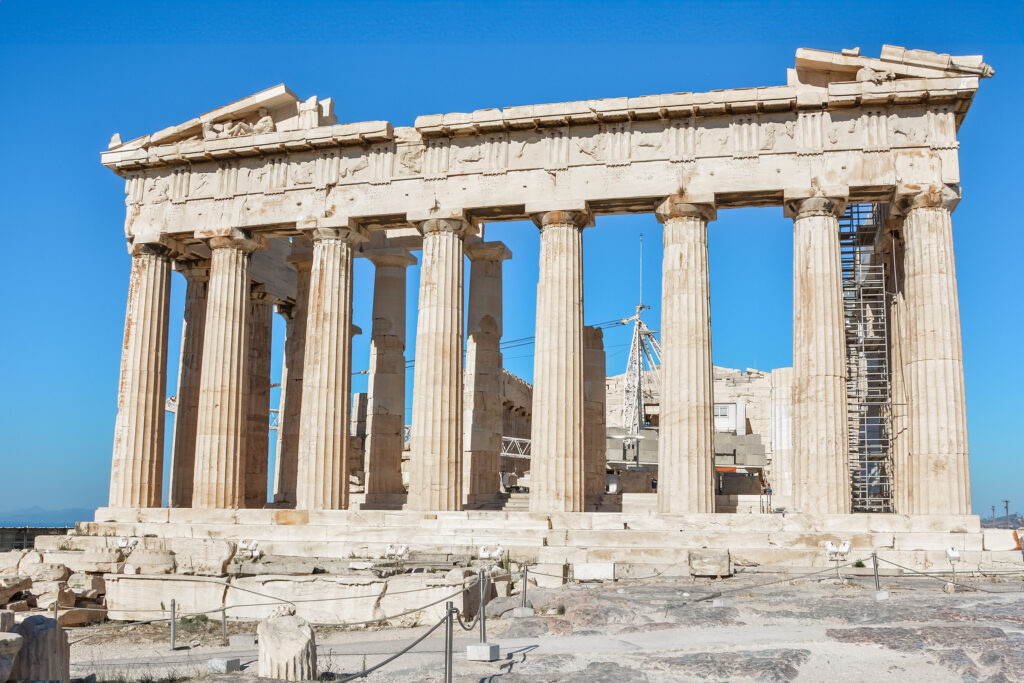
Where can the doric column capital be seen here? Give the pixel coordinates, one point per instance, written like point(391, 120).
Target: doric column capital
point(258, 293)
point(488, 251)
point(393, 257)
point(162, 246)
point(285, 309)
point(576, 218)
point(683, 206)
point(239, 240)
point(195, 269)
point(910, 197)
point(806, 207)
point(458, 226)
point(351, 234)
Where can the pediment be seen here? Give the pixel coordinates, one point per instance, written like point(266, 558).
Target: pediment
point(821, 67)
point(271, 110)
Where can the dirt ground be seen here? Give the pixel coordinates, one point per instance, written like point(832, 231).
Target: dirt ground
point(762, 628)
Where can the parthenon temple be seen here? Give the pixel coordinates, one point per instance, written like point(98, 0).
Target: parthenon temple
point(264, 204)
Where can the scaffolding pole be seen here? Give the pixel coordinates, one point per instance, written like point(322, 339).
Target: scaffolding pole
point(869, 404)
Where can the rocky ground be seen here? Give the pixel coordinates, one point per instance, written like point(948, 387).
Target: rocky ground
point(656, 630)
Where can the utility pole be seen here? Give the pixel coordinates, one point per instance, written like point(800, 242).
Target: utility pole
point(993, 515)
point(1007, 504)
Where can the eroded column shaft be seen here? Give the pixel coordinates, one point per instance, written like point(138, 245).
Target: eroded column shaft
point(385, 420)
point(261, 315)
point(482, 417)
point(821, 451)
point(183, 450)
point(594, 432)
point(556, 464)
point(436, 468)
point(686, 446)
point(137, 465)
point(933, 362)
point(290, 410)
point(900, 442)
point(223, 386)
point(324, 437)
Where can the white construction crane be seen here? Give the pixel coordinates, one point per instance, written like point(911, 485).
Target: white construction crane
point(644, 356)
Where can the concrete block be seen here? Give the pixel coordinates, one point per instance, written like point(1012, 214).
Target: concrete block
point(242, 640)
point(707, 562)
point(594, 571)
point(881, 595)
point(548, 575)
point(520, 612)
point(224, 665)
point(721, 601)
point(483, 652)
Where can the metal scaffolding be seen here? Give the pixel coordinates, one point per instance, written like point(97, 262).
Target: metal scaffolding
point(865, 311)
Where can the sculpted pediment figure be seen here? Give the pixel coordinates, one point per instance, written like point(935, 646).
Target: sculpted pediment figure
point(821, 67)
point(268, 111)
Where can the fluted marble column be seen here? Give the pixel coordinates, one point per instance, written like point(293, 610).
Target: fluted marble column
point(821, 449)
point(933, 358)
point(289, 418)
point(137, 465)
point(223, 385)
point(261, 316)
point(435, 480)
point(327, 373)
point(556, 463)
point(686, 447)
point(385, 420)
point(482, 419)
point(900, 437)
point(595, 433)
point(183, 449)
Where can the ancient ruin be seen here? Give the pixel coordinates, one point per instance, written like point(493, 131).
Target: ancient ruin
point(263, 205)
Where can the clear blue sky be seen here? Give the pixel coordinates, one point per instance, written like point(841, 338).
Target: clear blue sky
point(73, 73)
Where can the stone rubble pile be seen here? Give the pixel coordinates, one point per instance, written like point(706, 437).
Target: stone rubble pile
point(30, 582)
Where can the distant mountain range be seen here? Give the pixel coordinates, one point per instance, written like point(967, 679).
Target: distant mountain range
point(1016, 521)
point(37, 516)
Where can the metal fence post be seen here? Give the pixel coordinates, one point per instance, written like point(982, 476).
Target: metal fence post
point(874, 563)
point(483, 606)
point(526, 581)
point(224, 626)
point(448, 637)
point(174, 624)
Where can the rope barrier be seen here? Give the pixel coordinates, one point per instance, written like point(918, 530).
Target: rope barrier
point(943, 580)
point(788, 578)
point(464, 586)
point(370, 670)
